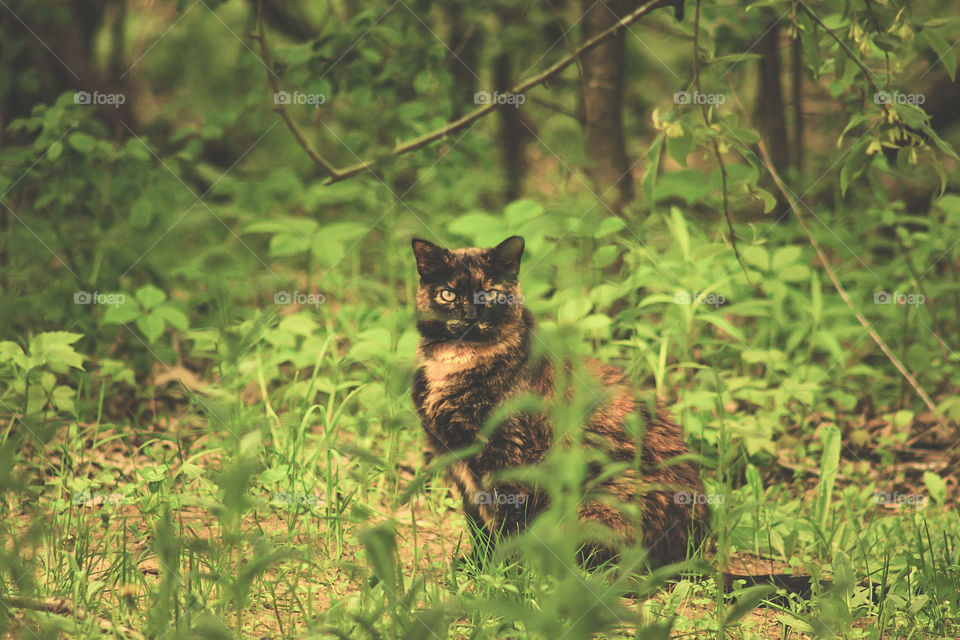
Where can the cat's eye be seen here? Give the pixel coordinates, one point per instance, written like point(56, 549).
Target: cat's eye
point(447, 296)
point(492, 296)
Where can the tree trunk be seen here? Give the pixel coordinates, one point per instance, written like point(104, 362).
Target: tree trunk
point(797, 77)
point(513, 133)
point(770, 116)
point(602, 85)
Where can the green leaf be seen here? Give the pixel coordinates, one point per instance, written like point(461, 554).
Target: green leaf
point(829, 464)
point(595, 322)
point(12, 352)
point(784, 256)
point(940, 143)
point(747, 601)
point(121, 314)
point(608, 226)
point(55, 150)
point(679, 147)
point(173, 317)
point(936, 487)
point(605, 256)
point(284, 245)
point(768, 199)
point(519, 211)
point(678, 228)
point(380, 545)
point(816, 298)
point(724, 325)
point(794, 273)
point(573, 309)
point(151, 326)
point(53, 347)
point(81, 141)
point(483, 229)
point(649, 180)
point(757, 256)
point(810, 42)
point(946, 53)
point(141, 213)
point(854, 164)
point(150, 296)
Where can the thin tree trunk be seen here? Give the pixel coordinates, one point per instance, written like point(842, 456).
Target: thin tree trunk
point(770, 106)
point(797, 77)
point(513, 133)
point(602, 87)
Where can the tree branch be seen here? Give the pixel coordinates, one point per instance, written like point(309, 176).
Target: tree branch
point(335, 174)
point(704, 109)
point(281, 108)
point(843, 294)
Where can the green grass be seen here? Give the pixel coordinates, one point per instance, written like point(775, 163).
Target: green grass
point(285, 496)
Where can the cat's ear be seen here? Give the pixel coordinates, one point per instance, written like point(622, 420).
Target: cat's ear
point(507, 255)
point(430, 257)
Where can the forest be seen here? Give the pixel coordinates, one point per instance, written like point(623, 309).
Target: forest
point(211, 315)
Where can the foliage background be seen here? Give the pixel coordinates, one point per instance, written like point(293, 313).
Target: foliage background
point(207, 346)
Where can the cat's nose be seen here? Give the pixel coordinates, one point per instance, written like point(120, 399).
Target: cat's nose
point(471, 312)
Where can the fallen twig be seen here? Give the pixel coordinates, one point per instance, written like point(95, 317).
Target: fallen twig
point(63, 607)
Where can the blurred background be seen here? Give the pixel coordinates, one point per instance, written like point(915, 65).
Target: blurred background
point(205, 215)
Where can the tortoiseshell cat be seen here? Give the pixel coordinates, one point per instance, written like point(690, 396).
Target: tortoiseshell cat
point(475, 354)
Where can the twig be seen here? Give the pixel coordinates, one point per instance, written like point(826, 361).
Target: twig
point(704, 109)
point(908, 257)
point(280, 107)
point(850, 54)
point(335, 174)
point(553, 106)
point(63, 607)
point(564, 32)
point(843, 294)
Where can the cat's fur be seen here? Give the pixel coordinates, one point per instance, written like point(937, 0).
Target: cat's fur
point(475, 354)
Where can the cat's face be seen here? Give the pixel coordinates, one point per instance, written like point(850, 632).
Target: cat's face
point(468, 295)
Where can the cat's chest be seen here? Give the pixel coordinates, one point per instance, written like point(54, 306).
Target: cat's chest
point(458, 381)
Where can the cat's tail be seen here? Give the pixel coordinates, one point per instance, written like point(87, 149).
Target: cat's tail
point(792, 584)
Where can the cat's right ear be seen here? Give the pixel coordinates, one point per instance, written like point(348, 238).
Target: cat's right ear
point(430, 257)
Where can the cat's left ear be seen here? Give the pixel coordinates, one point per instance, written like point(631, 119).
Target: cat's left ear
point(507, 255)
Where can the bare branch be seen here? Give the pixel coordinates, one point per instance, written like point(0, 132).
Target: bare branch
point(335, 174)
point(843, 294)
point(281, 108)
point(704, 109)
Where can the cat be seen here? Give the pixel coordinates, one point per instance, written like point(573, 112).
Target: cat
point(475, 354)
